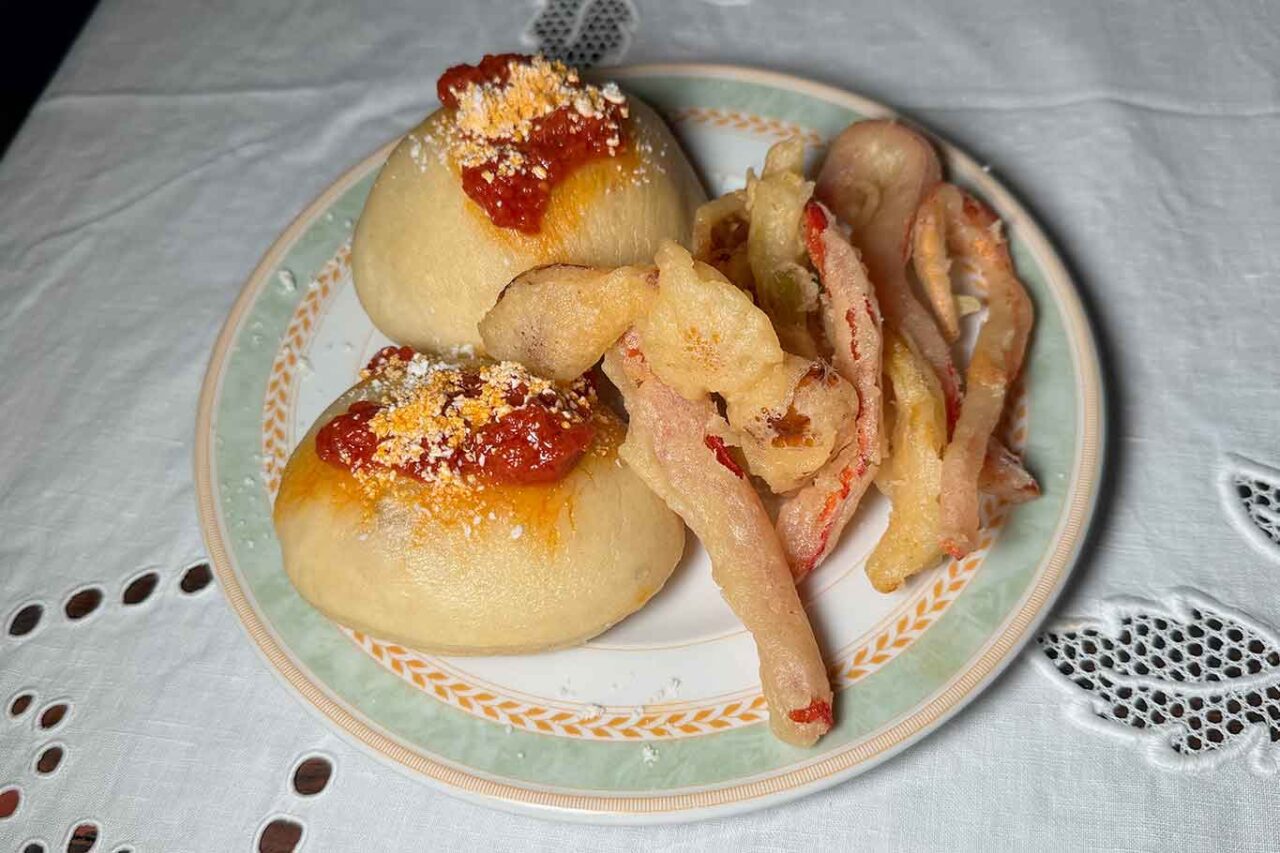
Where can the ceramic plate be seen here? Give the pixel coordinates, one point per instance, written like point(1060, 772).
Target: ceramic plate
point(661, 718)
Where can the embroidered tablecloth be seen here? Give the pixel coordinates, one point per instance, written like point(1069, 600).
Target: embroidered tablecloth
point(179, 138)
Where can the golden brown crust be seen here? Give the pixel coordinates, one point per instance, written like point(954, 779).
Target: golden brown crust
point(449, 569)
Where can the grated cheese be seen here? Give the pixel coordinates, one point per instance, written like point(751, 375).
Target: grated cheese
point(431, 407)
point(494, 118)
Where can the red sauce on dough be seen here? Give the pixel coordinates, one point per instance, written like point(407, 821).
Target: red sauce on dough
point(384, 355)
point(529, 445)
point(558, 144)
point(818, 710)
point(347, 440)
point(494, 68)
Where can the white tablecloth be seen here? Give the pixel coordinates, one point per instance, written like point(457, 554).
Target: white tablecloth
point(180, 137)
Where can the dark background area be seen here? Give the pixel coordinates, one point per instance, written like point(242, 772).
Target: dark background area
point(36, 44)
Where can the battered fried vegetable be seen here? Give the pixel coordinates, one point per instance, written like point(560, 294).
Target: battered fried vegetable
point(874, 177)
point(784, 286)
point(720, 237)
point(792, 421)
point(673, 444)
point(851, 319)
point(704, 335)
point(914, 479)
point(557, 320)
point(810, 522)
point(932, 264)
point(995, 363)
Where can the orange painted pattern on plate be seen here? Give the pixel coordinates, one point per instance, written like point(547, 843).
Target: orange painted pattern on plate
point(759, 125)
point(282, 381)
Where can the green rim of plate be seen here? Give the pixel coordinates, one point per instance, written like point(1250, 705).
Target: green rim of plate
point(693, 777)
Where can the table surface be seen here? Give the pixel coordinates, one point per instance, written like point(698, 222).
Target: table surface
point(180, 137)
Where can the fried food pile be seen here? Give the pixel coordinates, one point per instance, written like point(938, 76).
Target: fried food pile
point(801, 351)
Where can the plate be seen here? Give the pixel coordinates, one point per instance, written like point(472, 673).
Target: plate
point(661, 718)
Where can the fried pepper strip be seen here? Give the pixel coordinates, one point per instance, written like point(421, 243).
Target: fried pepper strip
point(673, 445)
point(995, 363)
point(936, 246)
point(932, 264)
point(810, 522)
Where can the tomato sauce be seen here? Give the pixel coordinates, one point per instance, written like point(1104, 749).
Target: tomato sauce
point(516, 196)
point(530, 444)
point(817, 711)
point(347, 440)
point(384, 356)
point(493, 68)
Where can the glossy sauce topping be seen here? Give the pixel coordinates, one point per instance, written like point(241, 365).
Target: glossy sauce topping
point(522, 125)
point(433, 421)
point(817, 711)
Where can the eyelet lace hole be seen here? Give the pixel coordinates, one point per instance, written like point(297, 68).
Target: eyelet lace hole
point(83, 838)
point(10, 800)
point(312, 776)
point(26, 620)
point(21, 703)
point(196, 578)
point(50, 759)
point(281, 835)
point(52, 716)
point(139, 589)
point(82, 603)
